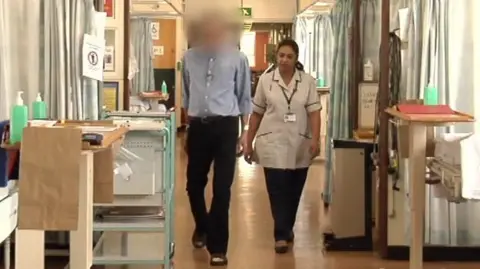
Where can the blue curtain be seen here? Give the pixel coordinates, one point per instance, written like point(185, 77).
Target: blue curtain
point(323, 47)
point(300, 34)
point(142, 44)
point(339, 109)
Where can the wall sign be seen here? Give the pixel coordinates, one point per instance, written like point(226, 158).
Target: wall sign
point(110, 95)
point(367, 101)
point(155, 30)
point(158, 50)
point(93, 53)
point(246, 12)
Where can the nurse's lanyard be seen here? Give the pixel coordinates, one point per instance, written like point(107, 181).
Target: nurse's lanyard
point(289, 117)
point(288, 99)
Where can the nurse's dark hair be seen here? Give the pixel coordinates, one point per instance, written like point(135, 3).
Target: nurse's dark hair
point(294, 46)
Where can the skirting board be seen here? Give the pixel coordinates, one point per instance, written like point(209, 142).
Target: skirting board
point(359, 243)
point(436, 253)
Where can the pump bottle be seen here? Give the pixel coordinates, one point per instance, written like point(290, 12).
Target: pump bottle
point(430, 95)
point(18, 120)
point(164, 88)
point(39, 108)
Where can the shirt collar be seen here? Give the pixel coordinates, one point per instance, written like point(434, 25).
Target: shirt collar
point(297, 77)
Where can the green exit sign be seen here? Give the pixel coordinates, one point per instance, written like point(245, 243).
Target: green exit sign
point(246, 12)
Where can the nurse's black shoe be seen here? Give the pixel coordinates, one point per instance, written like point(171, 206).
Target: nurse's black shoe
point(199, 240)
point(218, 260)
point(281, 247)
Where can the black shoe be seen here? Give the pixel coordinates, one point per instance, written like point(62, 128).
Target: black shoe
point(281, 247)
point(218, 260)
point(291, 238)
point(199, 240)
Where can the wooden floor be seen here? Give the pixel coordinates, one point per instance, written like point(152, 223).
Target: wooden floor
point(251, 244)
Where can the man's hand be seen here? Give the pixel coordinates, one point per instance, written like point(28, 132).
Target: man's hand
point(185, 142)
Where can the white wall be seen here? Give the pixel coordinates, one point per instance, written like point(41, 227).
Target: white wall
point(262, 10)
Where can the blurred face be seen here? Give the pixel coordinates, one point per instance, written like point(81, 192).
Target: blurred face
point(286, 58)
point(214, 33)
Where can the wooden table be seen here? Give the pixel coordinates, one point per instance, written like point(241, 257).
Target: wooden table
point(417, 143)
point(30, 242)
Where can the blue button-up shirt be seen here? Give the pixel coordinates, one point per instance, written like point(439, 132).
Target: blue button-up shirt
point(216, 84)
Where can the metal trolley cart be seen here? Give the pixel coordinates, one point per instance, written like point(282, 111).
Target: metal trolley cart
point(137, 228)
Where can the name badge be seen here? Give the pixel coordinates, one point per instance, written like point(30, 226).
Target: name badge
point(290, 117)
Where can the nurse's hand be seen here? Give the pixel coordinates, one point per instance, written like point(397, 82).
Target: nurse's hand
point(248, 152)
point(314, 148)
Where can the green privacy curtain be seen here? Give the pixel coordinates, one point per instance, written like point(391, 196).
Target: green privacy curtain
point(63, 25)
point(142, 44)
point(338, 115)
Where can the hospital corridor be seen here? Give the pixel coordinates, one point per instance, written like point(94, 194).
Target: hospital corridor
point(113, 112)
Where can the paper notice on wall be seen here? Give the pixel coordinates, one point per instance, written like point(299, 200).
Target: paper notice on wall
point(93, 53)
point(158, 50)
point(155, 30)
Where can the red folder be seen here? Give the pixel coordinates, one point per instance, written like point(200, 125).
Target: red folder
point(423, 109)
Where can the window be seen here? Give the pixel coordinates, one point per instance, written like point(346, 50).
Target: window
point(247, 46)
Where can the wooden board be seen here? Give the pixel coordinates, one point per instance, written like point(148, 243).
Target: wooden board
point(109, 137)
point(431, 119)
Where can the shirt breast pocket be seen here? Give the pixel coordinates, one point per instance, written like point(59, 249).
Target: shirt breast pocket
point(300, 98)
point(227, 73)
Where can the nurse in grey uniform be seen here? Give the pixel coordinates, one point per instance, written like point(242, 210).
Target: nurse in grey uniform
point(286, 126)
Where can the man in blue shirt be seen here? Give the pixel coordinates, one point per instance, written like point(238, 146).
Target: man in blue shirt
point(216, 91)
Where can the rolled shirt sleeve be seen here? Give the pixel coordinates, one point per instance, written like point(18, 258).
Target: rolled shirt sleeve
point(313, 101)
point(243, 86)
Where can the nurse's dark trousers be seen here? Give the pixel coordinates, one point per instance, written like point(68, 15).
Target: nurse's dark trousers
point(285, 189)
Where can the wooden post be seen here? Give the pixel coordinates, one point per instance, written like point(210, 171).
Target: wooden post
point(126, 54)
point(383, 93)
point(81, 240)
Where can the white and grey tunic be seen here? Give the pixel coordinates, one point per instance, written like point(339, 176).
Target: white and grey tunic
point(284, 136)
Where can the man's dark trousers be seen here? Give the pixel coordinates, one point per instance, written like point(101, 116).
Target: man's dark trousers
point(212, 139)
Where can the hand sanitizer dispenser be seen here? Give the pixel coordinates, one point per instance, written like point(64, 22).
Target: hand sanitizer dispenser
point(368, 71)
point(39, 108)
point(18, 120)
